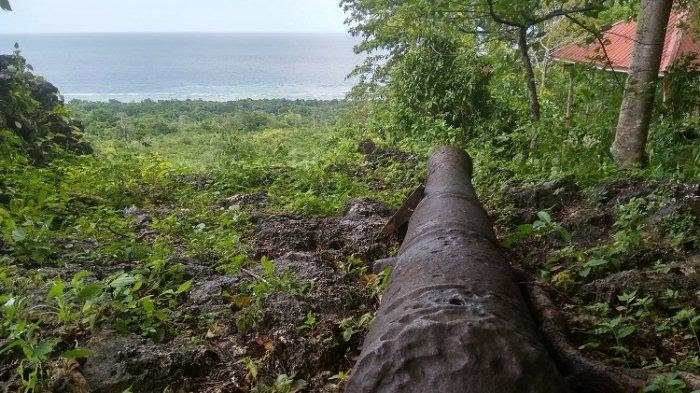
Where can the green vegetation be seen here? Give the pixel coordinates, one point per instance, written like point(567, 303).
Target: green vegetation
point(106, 240)
point(138, 239)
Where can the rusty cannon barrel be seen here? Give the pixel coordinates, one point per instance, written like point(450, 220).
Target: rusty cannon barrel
point(452, 318)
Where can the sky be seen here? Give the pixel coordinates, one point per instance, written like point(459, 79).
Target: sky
point(87, 16)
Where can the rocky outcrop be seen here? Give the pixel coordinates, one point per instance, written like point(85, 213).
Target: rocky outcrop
point(356, 233)
point(33, 108)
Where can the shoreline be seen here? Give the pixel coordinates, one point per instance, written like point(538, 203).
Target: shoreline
point(202, 100)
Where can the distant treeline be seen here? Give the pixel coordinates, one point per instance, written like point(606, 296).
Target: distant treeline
point(137, 120)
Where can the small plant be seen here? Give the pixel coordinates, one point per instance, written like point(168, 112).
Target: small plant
point(142, 303)
point(376, 283)
point(666, 384)
point(249, 317)
point(640, 305)
point(31, 367)
point(352, 325)
point(24, 336)
point(253, 366)
point(251, 298)
point(77, 292)
point(283, 384)
point(661, 267)
point(688, 317)
point(340, 378)
point(631, 224)
point(562, 280)
point(544, 224)
point(670, 294)
point(354, 266)
point(234, 264)
point(287, 384)
point(598, 309)
point(618, 329)
point(632, 215)
point(541, 227)
point(680, 229)
point(593, 264)
point(309, 323)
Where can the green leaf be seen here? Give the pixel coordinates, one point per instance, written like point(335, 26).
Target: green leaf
point(268, 265)
point(347, 334)
point(683, 314)
point(5, 5)
point(123, 280)
point(565, 235)
point(596, 263)
point(10, 302)
point(10, 345)
point(89, 292)
point(626, 331)
point(365, 319)
point(524, 229)
point(627, 296)
point(56, 291)
point(77, 353)
point(18, 235)
point(585, 272)
point(613, 322)
point(544, 216)
point(42, 349)
point(184, 287)
point(148, 305)
point(80, 276)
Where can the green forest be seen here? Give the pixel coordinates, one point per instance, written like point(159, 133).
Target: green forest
point(195, 246)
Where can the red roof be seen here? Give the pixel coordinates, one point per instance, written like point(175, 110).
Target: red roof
point(619, 42)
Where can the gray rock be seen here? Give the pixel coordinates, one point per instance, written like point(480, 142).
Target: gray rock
point(123, 360)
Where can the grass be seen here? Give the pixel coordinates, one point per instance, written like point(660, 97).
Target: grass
point(113, 229)
point(90, 242)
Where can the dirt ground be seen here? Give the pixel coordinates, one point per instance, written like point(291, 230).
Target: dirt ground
point(314, 252)
point(646, 271)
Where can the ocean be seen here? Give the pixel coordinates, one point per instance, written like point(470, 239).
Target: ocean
point(217, 67)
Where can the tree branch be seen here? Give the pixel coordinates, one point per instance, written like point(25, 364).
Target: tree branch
point(599, 38)
point(499, 18)
point(566, 12)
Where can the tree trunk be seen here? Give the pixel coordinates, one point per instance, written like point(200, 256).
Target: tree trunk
point(452, 318)
point(531, 84)
point(570, 98)
point(545, 67)
point(638, 100)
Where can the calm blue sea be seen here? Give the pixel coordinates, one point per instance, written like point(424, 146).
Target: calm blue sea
point(220, 67)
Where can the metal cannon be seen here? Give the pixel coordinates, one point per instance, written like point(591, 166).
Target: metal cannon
point(452, 318)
